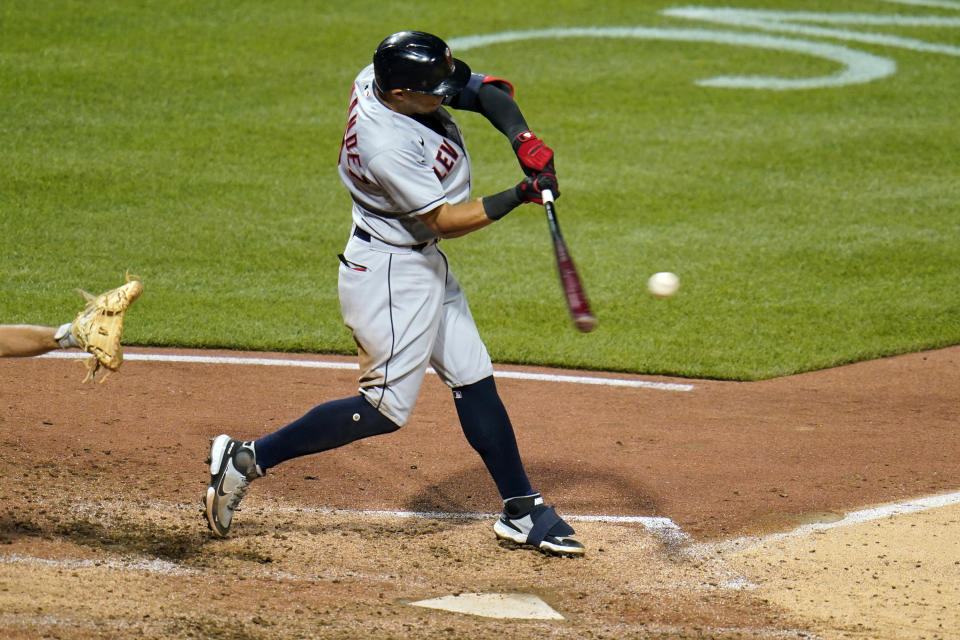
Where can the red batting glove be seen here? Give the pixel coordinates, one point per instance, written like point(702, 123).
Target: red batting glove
point(532, 187)
point(533, 154)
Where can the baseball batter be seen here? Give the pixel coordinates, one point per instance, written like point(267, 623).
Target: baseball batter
point(404, 162)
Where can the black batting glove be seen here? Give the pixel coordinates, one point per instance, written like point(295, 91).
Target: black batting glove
point(530, 190)
point(532, 187)
point(533, 154)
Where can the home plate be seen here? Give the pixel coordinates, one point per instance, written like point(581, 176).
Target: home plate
point(494, 605)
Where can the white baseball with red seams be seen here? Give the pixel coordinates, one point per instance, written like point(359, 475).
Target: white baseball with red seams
point(663, 284)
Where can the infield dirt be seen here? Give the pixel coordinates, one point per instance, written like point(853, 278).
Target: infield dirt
point(102, 535)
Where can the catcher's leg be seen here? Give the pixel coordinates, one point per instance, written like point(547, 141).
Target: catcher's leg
point(25, 340)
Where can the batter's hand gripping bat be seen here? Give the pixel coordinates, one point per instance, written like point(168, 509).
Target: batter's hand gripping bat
point(577, 302)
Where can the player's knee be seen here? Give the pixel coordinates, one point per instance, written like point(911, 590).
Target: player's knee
point(370, 422)
point(385, 409)
point(383, 424)
point(482, 415)
point(481, 393)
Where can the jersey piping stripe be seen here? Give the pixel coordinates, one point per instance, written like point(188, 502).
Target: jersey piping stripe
point(430, 206)
point(383, 214)
point(393, 334)
point(446, 266)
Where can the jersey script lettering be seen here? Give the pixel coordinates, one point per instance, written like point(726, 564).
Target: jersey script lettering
point(447, 157)
point(349, 143)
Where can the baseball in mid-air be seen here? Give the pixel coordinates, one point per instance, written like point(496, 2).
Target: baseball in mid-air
point(663, 284)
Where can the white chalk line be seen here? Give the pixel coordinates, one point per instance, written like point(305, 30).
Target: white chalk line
point(326, 364)
point(665, 528)
point(849, 519)
point(659, 526)
point(715, 551)
point(154, 566)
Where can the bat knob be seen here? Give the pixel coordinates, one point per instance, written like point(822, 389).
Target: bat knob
point(585, 322)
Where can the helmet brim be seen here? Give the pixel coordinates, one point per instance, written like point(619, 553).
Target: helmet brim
point(455, 82)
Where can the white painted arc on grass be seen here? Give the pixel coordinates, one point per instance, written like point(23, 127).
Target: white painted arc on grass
point(785, 22)
point(324, 364)
point(938, 4)
point(857, 67)
point(731, 16)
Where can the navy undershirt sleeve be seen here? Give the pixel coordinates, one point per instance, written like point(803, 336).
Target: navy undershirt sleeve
point(492, 102)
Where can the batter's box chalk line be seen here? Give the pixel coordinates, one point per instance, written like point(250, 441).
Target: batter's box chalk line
point(852, 518)
point(324, 364)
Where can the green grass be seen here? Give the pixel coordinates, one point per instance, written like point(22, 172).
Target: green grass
point(195, 144)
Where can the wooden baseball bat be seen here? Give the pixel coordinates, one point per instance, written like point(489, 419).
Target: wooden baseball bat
point(577, 302)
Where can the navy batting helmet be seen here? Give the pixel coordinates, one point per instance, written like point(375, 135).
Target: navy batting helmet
point(418, 61)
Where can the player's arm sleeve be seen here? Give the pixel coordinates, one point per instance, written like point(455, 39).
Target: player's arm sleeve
point(492, 98)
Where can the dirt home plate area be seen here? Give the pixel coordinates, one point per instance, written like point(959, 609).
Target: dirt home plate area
point(823, 505)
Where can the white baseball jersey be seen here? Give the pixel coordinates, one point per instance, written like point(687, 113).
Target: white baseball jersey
point(399, 298)
point(395, 167)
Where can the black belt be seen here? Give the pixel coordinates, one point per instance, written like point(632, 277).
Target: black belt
point(366, 237)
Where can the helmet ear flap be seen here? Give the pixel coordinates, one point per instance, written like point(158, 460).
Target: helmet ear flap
point(418, 61)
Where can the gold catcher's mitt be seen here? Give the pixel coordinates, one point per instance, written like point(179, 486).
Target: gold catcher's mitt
point(98, 327)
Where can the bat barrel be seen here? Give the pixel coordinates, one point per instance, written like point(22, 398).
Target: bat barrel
point(577, 303)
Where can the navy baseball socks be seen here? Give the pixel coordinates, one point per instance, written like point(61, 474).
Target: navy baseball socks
point(326, 426)
point(486, 425)
point(525, 519)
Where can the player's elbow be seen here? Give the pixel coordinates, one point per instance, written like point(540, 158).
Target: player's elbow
point(453, 221)
point(437, 220)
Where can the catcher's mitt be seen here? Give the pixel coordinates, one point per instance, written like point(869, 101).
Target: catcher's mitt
point(98, 327)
